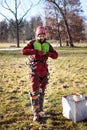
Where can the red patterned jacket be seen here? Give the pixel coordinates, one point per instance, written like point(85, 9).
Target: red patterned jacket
point(38, 63)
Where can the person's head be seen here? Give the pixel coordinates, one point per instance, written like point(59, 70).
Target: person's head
point(40, 34)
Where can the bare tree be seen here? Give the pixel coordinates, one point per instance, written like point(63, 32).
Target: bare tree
point(65, 7)
point(58, 27)
point(15, 12)
point(3, 31)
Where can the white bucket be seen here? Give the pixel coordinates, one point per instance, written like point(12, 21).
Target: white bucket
point(74, 107)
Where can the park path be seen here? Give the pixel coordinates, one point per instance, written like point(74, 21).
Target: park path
point(9, 49)
point(14, 48)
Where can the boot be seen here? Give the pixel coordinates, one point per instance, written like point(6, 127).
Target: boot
point(36, 118)
point(41, 100)
point(34, 97)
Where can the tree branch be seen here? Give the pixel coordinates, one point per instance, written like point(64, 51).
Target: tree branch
point(5, 17)
point(8, 8)
point(18, 4)
point(26, 13)
point(29, 9)
point(54, 2)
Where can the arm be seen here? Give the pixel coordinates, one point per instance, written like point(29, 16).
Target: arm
point(52, 53)
point(29, 49)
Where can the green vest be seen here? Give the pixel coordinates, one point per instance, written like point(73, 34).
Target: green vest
point(41, 47)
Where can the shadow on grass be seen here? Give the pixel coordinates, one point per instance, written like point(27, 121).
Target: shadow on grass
point(85, 122)
point(11, 53)
point(54, 116)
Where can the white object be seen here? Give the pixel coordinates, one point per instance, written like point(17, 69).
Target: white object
point(74, 107)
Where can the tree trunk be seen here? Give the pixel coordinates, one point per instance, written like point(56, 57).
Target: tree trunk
point(65, 21)
point(17, 33)
point(69, 34)
point(60, 41)
point(17, 24)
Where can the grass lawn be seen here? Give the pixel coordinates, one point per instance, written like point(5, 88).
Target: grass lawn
point(68, 74)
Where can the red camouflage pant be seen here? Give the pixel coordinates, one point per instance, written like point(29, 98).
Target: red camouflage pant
point(38, 86)
point(38, 82)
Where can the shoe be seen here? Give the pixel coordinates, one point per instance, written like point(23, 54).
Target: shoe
point(36, 118)
point(41, 113)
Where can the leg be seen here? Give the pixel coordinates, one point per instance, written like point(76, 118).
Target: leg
point(34, 97)
point(37, 95)
point(41, 99)
point(42, 92)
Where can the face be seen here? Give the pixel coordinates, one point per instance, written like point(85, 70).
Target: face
point(41, 38)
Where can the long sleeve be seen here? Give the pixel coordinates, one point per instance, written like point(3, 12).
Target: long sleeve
point(52, 53)
point(28, 49)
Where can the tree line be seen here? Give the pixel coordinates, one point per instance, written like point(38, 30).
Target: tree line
point(63, 22)
point(64, 18)
point(26, 29)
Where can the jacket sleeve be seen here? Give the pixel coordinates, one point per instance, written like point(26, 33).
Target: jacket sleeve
point(52, 53)
point(29, 49)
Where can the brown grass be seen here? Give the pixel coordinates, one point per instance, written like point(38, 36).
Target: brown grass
point(68, 74)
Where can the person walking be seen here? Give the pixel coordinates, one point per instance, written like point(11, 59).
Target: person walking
point(38, 50)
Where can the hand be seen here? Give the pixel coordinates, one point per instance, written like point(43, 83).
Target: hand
point(40, 53)
point(48, 54)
